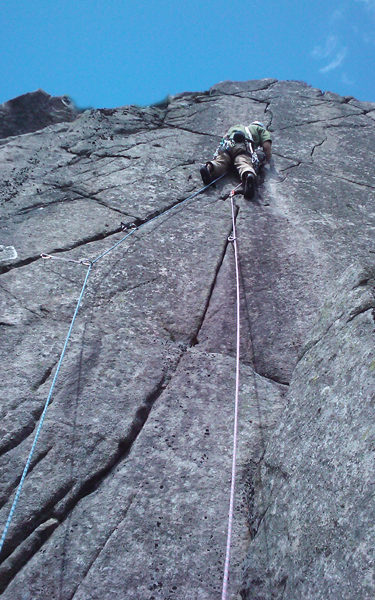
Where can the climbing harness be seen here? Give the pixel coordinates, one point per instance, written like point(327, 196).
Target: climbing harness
point(238, 137)
point(250, 150)
point(233, 239)
point(89, 263)
point(224, 146)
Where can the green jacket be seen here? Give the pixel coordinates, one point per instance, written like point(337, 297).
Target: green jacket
point(258, 133)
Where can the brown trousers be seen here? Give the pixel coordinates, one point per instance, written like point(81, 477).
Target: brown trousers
point(233, 156)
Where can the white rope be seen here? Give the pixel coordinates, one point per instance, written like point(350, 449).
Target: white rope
point(233, 239)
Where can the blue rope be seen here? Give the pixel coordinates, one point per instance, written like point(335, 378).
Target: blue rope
point(28, 462)
point(27, 466)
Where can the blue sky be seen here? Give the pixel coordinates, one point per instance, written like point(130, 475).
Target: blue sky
point(114, 53)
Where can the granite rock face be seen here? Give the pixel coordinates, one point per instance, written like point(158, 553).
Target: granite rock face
point(314, 513)
point(128, 489)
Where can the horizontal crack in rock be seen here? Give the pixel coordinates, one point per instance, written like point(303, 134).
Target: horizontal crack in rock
point(83, 242)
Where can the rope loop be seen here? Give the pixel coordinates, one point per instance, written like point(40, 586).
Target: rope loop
point(84, 261)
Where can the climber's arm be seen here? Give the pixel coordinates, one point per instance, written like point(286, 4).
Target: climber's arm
point(267, 147)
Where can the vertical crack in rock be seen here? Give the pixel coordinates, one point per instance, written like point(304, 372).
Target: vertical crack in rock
point(14, 484)
point(194, 340)
point(15, 558)
point(317, 146)
point(313, 342)
point(80, 491)
point(100, 550)
point(38, 459)
point(269, 112)
point(44, 377)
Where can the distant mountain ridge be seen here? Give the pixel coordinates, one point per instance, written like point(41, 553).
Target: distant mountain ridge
point(33, 111)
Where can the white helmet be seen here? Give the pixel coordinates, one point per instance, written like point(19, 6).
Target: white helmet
point(258, 123)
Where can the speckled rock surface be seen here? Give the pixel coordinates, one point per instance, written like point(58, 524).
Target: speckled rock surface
point(128, 490)
point(314, 514)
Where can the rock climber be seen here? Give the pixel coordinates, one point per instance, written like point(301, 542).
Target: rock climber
point(238, 147)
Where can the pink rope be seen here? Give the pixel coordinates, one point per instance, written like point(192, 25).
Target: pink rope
point(233, 238)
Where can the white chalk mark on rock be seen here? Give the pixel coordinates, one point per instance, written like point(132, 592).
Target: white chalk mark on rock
point(7, 253)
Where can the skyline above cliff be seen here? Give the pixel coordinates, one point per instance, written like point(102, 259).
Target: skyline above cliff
point(139, 53)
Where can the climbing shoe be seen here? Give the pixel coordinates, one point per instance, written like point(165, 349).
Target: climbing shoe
point(206, 175)
point(249, 188)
